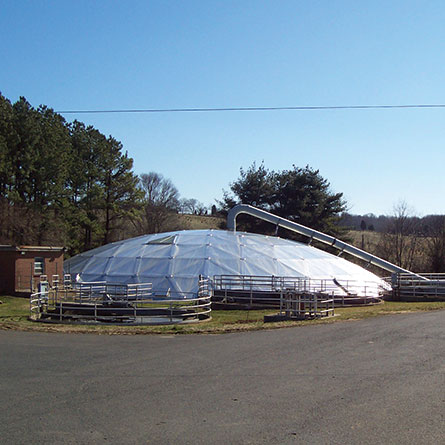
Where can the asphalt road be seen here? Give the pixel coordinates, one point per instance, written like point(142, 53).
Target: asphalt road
point(376, 381)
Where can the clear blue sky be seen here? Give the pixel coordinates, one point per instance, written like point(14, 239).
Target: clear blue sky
point(77, 55)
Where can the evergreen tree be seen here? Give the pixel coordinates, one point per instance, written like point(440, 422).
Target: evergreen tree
point(298, 194)
point(60, 182)
point(304, 196)
point(49, 173)
point(86, 197)
point(8, 139)
point(23, 151)
point(122, 197)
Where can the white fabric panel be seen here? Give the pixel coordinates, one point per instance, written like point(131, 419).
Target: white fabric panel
point(154, 266)
point(292, 268)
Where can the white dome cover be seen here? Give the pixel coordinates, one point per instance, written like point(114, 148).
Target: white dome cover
point(174, 260)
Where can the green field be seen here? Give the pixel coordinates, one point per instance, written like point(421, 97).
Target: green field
point(14, 314)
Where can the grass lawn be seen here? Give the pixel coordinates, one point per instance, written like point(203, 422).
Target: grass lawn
point(14, 314)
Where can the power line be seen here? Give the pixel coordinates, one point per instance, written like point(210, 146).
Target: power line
point(296, 108)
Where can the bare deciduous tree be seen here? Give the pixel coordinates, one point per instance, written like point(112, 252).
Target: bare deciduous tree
point(193, 207)
point(399, 243)
point(161, 203)
point(159, 191)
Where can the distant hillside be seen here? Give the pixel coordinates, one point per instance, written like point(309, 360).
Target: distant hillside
point(197, 222)
point(368, 221)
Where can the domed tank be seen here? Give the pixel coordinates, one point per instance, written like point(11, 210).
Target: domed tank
point(173, 261)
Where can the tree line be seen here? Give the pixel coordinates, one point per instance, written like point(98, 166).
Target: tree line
point(304, 196)
point(60, 182)
point(412, 242)
point(67, 183)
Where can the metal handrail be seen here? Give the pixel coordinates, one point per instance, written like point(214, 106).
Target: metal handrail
point(91, 302)
point(277, 283)
point(265, 291)
point(407, 286)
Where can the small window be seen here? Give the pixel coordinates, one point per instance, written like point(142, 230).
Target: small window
point(39, 266)
point(164, 240)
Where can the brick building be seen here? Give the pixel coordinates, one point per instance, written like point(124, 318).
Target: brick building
point(21, 267)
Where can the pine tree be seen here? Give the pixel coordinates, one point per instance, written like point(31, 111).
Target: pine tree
point(298, 194)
